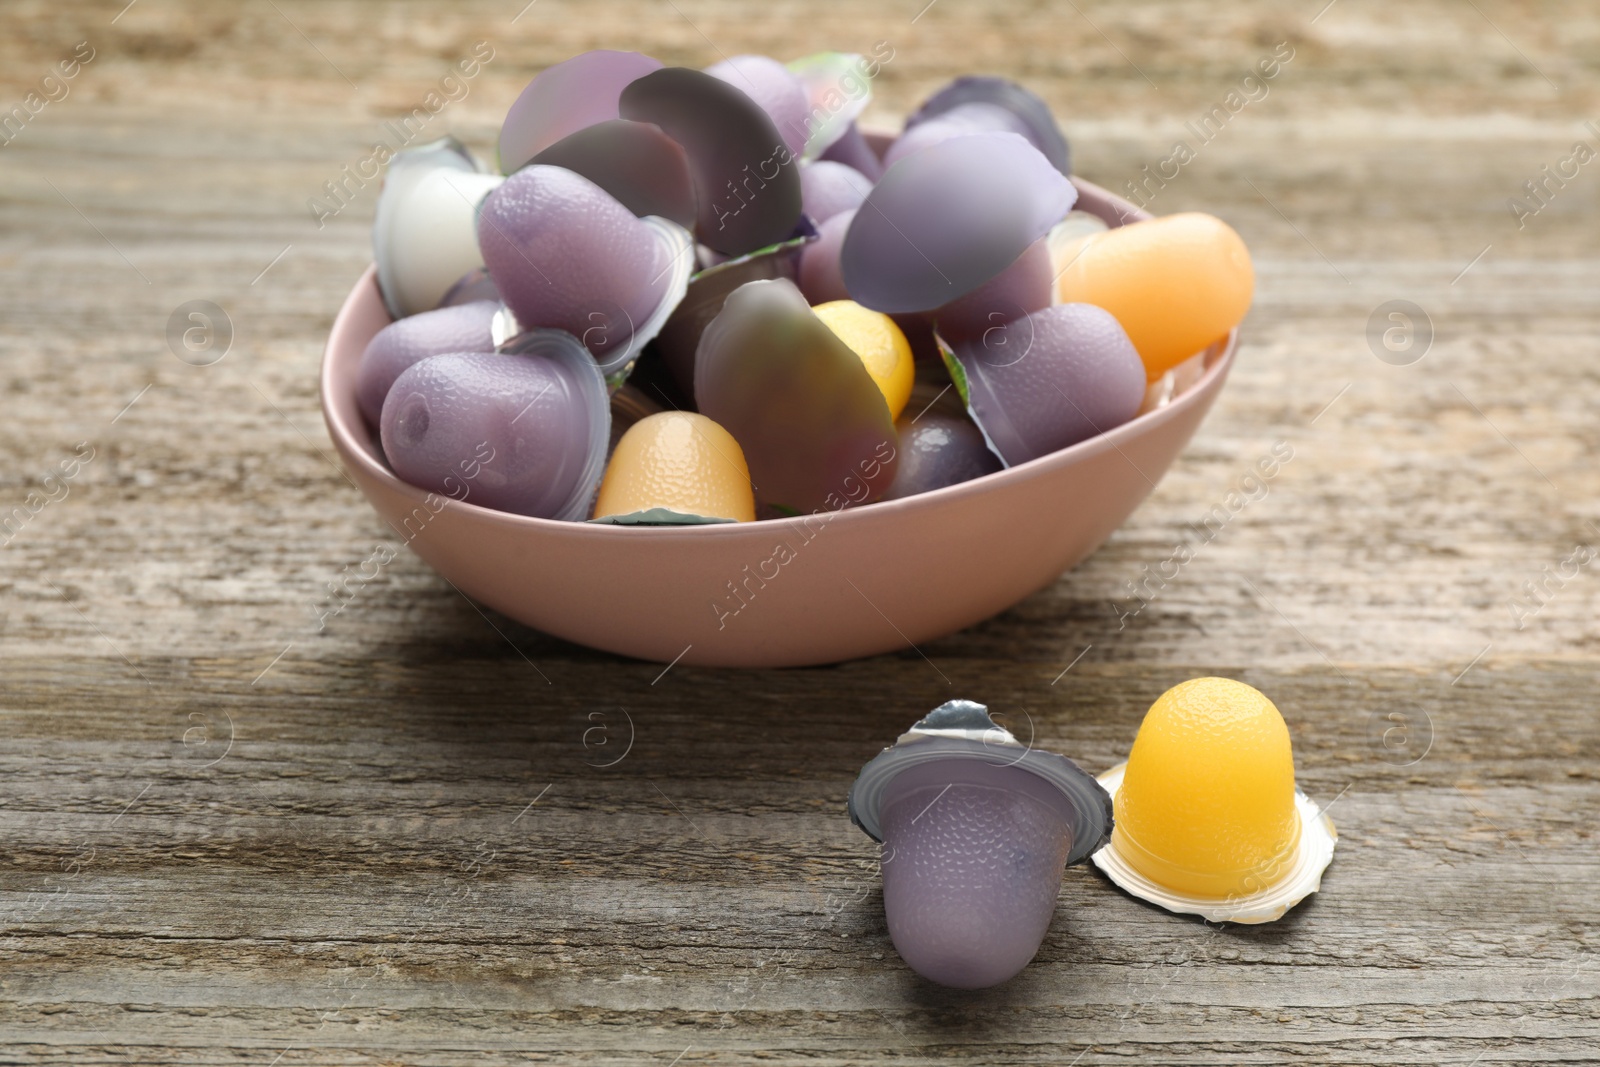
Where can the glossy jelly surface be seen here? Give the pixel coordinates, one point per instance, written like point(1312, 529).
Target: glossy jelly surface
point(966, 118)
point(884, 350)
point(1020, 289)
point(1177, 284)
point(679, 461)
point(642, 168)
point(1207, 804)
point(978, 97)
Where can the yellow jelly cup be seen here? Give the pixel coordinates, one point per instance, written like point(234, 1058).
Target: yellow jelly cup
point(1208, 820)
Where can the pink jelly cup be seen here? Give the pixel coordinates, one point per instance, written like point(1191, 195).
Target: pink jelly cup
point(781, 592)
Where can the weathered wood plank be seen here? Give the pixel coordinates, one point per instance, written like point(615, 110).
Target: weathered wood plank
point(233, 836)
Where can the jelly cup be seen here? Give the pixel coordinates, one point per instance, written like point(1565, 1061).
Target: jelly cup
point(1208, 818)
point(976, 830)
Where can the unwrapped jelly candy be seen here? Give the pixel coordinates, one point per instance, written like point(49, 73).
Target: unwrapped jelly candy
point(775, 89)
point(1020, 289)
point(939, 449)
point(642, 168)
point(708, 289)
point(980, 103)
point(820, 276)
point(1207, 802)
point(853, 150)
point(969, 118)
point(883, 349)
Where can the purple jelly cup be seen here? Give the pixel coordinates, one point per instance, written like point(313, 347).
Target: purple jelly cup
point(1047, 380)
point(976, 830)
point(524, 430)
point(566, 255)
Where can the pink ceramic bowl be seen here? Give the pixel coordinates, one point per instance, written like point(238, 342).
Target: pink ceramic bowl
point(783, 592)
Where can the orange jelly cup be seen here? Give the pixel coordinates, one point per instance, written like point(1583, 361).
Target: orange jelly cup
point(1207, 803)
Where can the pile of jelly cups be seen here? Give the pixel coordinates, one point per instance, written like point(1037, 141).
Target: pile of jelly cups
point(702, 296)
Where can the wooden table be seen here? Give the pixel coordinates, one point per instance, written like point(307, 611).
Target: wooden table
point(232, 836)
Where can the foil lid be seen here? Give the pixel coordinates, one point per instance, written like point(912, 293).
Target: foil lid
point(964, 730)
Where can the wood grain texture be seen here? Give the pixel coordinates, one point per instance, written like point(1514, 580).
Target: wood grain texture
point(236, 836)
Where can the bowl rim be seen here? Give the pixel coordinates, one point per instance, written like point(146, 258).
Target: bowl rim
point(353, 443)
